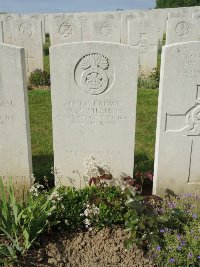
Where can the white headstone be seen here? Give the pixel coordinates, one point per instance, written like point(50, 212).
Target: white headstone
point(15, 147)
point(7, 32)
point(145, 39)
point(182, 30)
point(76, 27)
point(94, 91)
point(159, 20)
point(105, 27)
point(1, 32)
point(177, 154)
point(38, 17)
point(28, 34)
point(46, 23)
point(180, 13)
point(126, 16)
point(64, 28)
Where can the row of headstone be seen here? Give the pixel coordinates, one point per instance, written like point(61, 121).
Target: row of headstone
point(142, 29)
point(94, 92)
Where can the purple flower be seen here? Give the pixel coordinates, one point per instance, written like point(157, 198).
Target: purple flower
point(179, 247)
point(194, 216)
point(183, 243)
point(198, 257)
point(162, 231)
point(190, 255)
point(179, 237)
point(172, 205)
point(158, 248)
point(171, 260)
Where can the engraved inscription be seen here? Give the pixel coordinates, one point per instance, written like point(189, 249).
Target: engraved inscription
point(188, 124)
point(190, 64)
point(74, 152)
point(8, 19)
point(105, 29)
point(7, 114)
point(66, 30)
point(26, 29)
point(182, 28)
point(94, 112)
point(91, 74)
point(143, 46)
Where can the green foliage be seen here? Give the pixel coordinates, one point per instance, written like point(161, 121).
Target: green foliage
point(20, 222)
point(89, 207)
point(39, 78)
point(150, 81)
point(176, 3)
point(168, 229)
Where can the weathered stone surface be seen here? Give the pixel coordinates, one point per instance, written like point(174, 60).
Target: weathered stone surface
point(37, 17)
point(64, 28)
point(46, 24)
point(1, 32)
point(178, 128)
point(105, 27)
point(182, 30)
point(76, 27)
point(159, 20)
point(27, 33)
point(7, 32)
point(94, 88)
point(126, 16)
point(15, 147)
point(141, 36)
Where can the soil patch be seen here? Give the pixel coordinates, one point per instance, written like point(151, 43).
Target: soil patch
point(96, 248)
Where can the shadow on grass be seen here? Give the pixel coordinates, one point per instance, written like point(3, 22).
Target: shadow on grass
point(42, 166)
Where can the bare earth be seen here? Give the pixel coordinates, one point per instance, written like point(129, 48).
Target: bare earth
point(97, 248)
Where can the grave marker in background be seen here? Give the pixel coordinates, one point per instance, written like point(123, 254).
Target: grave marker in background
point(28, 34)
point(94, 91)
point(142, 35)
point(64, 28)
point(182, 30)
point(105, 27)
point(15, 146)
point(178, 128)
point(7, 32)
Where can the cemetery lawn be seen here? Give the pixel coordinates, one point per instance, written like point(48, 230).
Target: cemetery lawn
point(41, 131)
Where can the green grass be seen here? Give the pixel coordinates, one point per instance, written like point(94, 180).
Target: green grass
point(46, 63)
point(145, 129)
point(41, 131)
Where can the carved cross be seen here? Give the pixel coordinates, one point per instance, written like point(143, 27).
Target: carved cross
point(188, 125)
point(28, 58)
point(144, 46)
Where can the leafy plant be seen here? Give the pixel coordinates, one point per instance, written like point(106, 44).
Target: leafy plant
point(39, 78)
point(166, 228)
point(20, 222)
point(150, 81)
